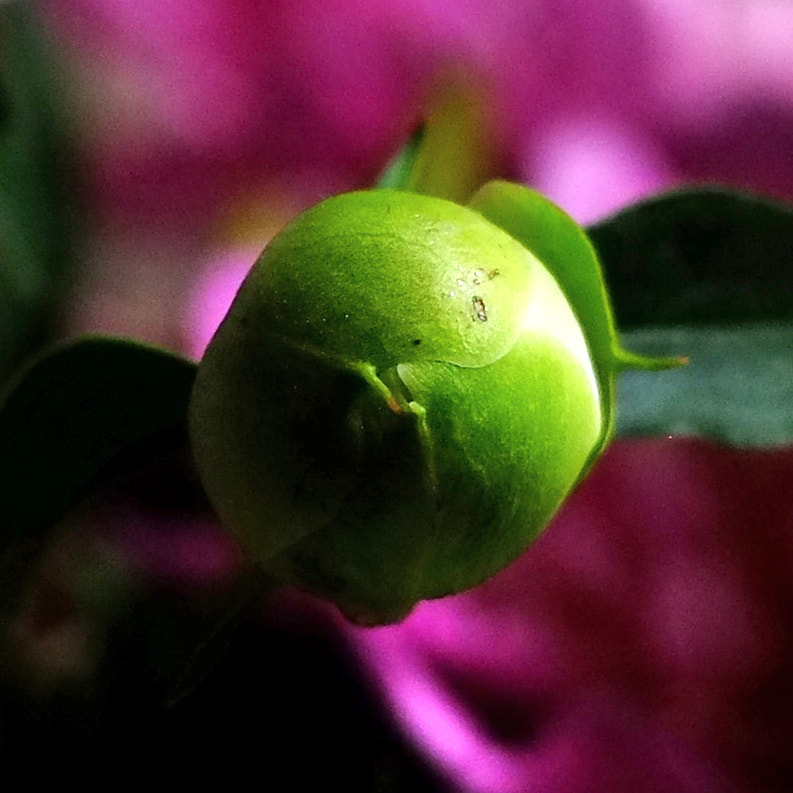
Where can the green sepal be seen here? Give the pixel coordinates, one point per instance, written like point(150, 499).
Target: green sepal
point(564, 248)
point(398, 171)
point(454, 150)
point(625, 359)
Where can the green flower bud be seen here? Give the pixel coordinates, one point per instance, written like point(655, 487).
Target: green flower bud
point(397, 402)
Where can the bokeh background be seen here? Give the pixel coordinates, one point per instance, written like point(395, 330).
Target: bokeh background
point(645, 642)
point(201, 126)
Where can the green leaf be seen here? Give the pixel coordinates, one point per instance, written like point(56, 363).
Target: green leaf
point(738, 387)
point(700, 256)
point(706, 273)
point(77, 414)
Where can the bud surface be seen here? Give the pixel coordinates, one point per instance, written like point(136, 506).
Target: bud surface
point(396, 404)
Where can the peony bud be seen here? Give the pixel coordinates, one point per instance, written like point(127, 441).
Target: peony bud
point(396, 404)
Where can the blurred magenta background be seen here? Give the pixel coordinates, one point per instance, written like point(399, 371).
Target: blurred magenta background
point(202, 126)
point(645, 643)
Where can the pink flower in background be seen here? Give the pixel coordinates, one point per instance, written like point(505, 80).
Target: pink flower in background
point(194, 103)
point(194, 113)
point(215, 289)
point(643, 643)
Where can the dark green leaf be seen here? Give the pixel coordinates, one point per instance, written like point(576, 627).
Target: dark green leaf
point(698, 257)
point(708, 274)
point(88, 409)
